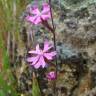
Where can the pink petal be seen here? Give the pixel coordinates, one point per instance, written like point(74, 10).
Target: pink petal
point(43, 61)
point(33, 59)
point(38, 49)
point(46, 8)
point(31, 19)
point(50, 55)
point(53, 53)
point(35, 11)
point(30, 59)
point(38, 64)
point(33, 52)
point(47, 56)
point(51, 75)
point(38, 20)
point(47, 46)
point(46, 17)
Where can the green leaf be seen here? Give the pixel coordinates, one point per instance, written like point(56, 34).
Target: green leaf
point(35, 87)
point(6, 77)
point(2, 93)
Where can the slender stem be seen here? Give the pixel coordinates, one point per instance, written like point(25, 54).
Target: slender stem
point(54, 37)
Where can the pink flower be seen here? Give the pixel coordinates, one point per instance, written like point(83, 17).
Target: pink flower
point(40, 55)
point(39, 16)
point(51, 75)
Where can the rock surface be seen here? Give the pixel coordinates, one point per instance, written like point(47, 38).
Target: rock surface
point(76, 46)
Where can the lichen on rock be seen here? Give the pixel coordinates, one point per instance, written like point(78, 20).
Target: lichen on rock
point(76, 4)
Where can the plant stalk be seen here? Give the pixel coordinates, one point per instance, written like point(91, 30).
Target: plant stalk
point(54, 37)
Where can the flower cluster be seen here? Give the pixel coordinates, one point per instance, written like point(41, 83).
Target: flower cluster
point(37, 16)
point(41, 55)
